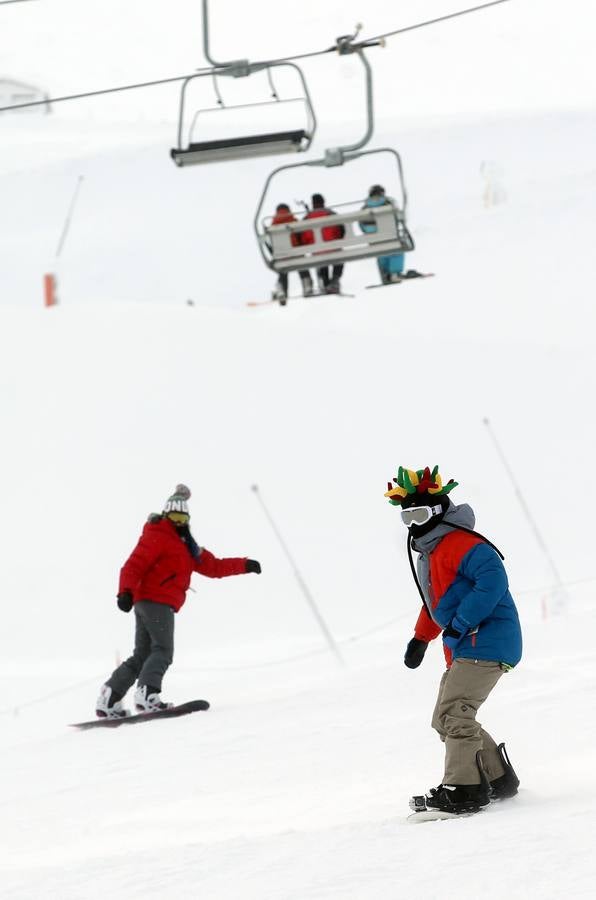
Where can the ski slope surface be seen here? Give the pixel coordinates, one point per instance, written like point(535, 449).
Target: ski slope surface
point(295, 784)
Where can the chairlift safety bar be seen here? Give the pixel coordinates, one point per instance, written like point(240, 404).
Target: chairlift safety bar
point(390, 236)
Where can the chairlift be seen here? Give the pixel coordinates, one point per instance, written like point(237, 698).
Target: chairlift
point(387, 232)
point(190, 151)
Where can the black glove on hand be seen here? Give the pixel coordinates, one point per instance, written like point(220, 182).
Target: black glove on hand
point(253, 566)
point(415, 653)
point(454, 632)
point(124, 601)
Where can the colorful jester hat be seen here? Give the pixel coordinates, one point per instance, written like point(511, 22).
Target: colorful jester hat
point(421, 481)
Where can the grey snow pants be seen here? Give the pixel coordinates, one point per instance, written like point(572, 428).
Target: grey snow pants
point(153, 651)
point(463, 689)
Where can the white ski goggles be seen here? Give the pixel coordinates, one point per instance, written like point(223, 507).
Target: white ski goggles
point(419, 515)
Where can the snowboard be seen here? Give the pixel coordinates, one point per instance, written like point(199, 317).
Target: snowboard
point(436, 815)
point(296, 297)
point(183, 709)
point(422, 813)
point(401, 280)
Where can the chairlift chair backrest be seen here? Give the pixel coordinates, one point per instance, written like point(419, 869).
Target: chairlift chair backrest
point(390, 235)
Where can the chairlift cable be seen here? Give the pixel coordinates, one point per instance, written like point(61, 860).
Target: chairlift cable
point(127, 87)
point(455, 15)
point(219, 69)
point(310, 55)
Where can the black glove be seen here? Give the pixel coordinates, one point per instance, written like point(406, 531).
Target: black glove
point(415, 653)
point(454, 632)
point(124, 601)
point(253, 566)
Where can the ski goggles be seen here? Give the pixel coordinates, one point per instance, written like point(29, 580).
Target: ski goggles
point(178, 518)
point(420, 515)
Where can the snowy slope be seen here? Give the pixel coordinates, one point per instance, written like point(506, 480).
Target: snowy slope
point(295, 784)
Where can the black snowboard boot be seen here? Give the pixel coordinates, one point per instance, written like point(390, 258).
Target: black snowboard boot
point(507, 784)
point(458, 798)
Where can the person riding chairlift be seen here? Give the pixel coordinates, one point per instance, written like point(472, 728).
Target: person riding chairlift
point(328, 280)
point(283, 216)
point(390, 267)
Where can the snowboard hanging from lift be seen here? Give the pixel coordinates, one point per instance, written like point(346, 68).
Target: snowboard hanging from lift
point(283, 301)
point(173, 712)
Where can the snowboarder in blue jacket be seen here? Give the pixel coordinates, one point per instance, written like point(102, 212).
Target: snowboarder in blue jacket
point(465, 597)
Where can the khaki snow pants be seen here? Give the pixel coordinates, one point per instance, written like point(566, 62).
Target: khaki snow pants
point(463, 689)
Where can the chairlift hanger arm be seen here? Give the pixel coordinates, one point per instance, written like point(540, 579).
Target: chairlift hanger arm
point(206, 49)
point(370, 122)
point(237, 68)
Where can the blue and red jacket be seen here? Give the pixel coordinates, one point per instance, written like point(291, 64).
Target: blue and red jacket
point(463, 576)
point(160, 566)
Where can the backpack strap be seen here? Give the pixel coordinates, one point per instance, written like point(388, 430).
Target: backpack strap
point(413, 567)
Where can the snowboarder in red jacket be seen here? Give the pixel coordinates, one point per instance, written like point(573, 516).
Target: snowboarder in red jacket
point(154, 581)
point(328, 282)
point(283, 216)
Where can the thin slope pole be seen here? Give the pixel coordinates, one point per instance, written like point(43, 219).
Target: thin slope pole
point(68, 218)
point(303, 586)
point(540, 540)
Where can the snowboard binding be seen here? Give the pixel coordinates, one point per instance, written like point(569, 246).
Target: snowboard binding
point(443, 802)
point(506, 786)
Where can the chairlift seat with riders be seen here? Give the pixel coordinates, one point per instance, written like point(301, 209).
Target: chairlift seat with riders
point(385, 231)
point(388, 235)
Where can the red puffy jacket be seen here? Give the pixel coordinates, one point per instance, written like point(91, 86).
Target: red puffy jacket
point(160, 566)
point(283, 218)
point(329, 233)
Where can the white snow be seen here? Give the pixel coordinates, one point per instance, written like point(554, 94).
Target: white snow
point(295, 783)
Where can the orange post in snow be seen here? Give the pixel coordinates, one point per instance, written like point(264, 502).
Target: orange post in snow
point(49, 290)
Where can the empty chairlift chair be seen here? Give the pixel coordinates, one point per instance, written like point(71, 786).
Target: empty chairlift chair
point(244, 146)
